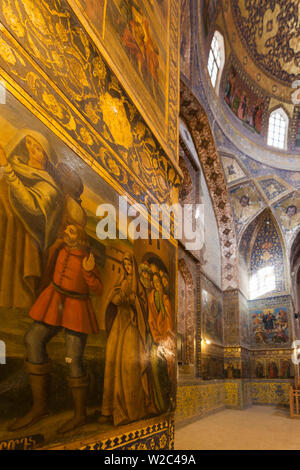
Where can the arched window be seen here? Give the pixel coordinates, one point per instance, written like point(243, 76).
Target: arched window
point(216, 60)
point(278, 129)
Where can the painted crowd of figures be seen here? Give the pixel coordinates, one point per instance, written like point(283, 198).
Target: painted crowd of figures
point(242, 102)
point(48, 268)
point(270, 326)
point(273, 369)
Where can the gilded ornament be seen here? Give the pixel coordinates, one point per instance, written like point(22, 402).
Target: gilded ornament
point(115, 118)
point(61, 31)
point(91, 113)
point(86, 136)
point(163, 441)
point(99, 69)
point(52, 104)
point(7, 53)
point(113, 167)
point(33, 10)
point(13, 19)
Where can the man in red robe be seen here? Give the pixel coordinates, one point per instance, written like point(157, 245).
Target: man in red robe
point(65, 303)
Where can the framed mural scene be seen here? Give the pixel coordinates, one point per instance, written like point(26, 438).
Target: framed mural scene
point(270, 327)
point(138, 40)
point(84, 319)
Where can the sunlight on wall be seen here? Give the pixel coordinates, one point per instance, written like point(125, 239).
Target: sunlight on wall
point(262, 282)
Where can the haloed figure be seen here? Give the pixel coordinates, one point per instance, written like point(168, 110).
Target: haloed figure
point(65, 303)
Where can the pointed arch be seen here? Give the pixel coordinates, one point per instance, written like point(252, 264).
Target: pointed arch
point(197, 122)
point(262, 245)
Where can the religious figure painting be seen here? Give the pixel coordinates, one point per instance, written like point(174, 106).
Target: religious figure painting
point(288, 212)
point(89, 324)
point(246, 204)
point(270, 326)
point(212, 315)
point(243, 102)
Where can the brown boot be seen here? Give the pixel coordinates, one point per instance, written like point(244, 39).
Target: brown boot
point(39, 378)
point(79, 388)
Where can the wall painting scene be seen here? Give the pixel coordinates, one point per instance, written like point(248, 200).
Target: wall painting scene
point(136, 37)
point(88, 324)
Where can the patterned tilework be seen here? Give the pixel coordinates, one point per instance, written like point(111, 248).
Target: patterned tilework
point(272, 364)
point(233, 394)
point(152, 436)
point(270, 392)
point(237, 362)
point(247, 394)
point(199, 399)
point(246, 203)
point(238, 394)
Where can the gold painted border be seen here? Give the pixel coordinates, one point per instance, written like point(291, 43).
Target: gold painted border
point(38, 112)
point(94, 36)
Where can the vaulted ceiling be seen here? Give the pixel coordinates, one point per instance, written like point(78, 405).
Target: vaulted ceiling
point(262, 51)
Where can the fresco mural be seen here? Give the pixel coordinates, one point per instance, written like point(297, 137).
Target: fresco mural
point(233, 171)
point(270, 326)
point(186, 37)
point(288, 213)
point(138, 40)
point(273, 367)
point(212, 317)
point(243, 102)
point(246, 202)
point(93, 314)
point(268, 251)
point(273, 187)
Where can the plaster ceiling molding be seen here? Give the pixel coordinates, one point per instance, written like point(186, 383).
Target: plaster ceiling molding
point(195, 118)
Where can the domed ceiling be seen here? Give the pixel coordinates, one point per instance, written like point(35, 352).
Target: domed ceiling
point(264, 35)
point(260, 75)
point(261, 63)
point(270, 30)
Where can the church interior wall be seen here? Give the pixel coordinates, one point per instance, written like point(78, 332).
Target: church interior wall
point(95, 137)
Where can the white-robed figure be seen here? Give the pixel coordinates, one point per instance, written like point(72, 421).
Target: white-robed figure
point(30, 215)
